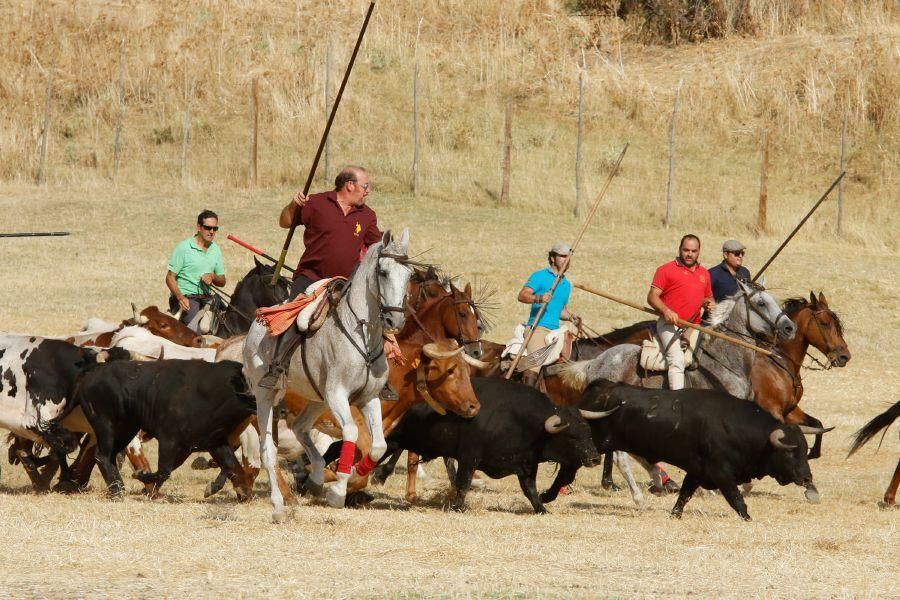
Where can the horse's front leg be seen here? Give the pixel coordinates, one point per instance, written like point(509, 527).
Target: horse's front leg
point(337, 401)
point(371, 412)
point(269, 455)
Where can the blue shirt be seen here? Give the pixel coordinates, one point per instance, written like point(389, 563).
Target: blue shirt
point(540, 282)
point(724, 284)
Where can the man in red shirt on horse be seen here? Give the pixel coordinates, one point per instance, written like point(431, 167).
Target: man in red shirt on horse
point(680, 289)
point(338, 229)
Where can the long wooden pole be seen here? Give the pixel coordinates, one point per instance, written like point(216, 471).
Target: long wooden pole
point(799, 225)
point(312, 170)
point(681, 322)
point(565, 266)
point(840, 211)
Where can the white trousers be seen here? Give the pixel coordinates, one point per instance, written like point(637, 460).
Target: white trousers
point(674, 354)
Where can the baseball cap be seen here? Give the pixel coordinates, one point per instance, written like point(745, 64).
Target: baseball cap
point(561, 249)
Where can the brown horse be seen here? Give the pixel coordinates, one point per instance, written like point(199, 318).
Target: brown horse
point(866, 433)
point(776, 382)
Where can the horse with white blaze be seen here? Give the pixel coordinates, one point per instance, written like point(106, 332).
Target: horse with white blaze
point(340, 365)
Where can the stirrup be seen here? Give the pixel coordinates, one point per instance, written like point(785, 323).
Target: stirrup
point(270, 380)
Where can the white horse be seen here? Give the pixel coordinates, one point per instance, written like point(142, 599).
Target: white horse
point(342, 364)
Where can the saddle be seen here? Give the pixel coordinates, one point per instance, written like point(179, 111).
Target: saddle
point(558, 346)
point(307, 311)
point(654, 359)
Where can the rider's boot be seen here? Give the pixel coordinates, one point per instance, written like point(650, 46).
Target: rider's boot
point(284, 347)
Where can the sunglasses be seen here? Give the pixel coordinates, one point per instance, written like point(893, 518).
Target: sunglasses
point(213, 228)
point(364, 186)
point(738, 253)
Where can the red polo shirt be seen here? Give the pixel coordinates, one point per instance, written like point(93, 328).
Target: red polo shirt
point(334, 242)
point(683, 289)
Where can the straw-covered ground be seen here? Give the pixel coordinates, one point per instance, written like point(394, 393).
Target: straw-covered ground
point(594, 544)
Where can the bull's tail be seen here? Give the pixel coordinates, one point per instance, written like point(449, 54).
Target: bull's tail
point(868, 431)
point(575, 374)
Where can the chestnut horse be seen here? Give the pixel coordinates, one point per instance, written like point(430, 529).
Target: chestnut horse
point(866, 433)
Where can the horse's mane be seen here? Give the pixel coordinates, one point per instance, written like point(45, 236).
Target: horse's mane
point(722, 310)
point(792, 306)
point(622, 333)
point(482, 293)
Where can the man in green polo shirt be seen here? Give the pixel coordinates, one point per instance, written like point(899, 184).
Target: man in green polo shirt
point(196, 264)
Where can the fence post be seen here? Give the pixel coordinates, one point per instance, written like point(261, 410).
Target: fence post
point(579, 167)
point(668, 220)
point(840, 215)
point(507, 152)
point(39, 179)
point(118, 143)
point(761, 218)
point(186, 131)
point(254, 134)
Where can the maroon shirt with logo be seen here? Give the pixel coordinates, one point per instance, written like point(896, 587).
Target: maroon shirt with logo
point(334, 242)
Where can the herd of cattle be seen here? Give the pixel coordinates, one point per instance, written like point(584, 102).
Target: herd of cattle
point(106, 389)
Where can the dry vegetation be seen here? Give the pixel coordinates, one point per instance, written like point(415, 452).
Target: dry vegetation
point(794, 72)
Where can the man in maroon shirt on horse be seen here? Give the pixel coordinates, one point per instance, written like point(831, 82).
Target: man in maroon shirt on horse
point(680, 289)
point(338, 229)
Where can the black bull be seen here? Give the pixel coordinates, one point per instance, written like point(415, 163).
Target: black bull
point(186, 405)
point(516, 429)
point(719, 440)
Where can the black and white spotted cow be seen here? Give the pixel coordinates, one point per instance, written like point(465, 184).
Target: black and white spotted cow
point(37, 377)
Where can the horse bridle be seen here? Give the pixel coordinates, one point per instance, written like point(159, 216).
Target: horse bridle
point(820, 327)
point(451, 294)
point(749, 306)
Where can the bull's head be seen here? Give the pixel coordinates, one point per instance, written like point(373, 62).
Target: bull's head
point(788, 462)
point(165, 326)
point(570, 439)
point(442, 378)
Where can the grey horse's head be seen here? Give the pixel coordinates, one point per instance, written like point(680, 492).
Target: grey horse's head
point(765, 316)
point(392, 275)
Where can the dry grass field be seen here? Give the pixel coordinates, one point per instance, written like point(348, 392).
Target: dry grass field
point(797, 74)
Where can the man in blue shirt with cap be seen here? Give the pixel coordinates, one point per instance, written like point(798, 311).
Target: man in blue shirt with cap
point(536, 292)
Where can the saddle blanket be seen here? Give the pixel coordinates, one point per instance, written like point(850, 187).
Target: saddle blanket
point(556, 339)
point(654, 359)
point(300, 310)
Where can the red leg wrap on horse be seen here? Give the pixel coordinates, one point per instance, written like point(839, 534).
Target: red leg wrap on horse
point(348, 451)
point(365, 466)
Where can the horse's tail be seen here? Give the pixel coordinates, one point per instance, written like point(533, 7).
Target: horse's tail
point(575, 374)
point(868, 431)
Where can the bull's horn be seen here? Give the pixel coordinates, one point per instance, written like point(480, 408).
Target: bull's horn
point(162, 353)
point(594, 414)
point(554, 424)
point(814, 430)
point(431, 351)
point(776, 436)
point(138, 318)
point(478, 364)
point(137, 356)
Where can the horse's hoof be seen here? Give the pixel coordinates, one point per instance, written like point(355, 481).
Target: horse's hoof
point(201, 463)
point(812, 495)
point(314, 489)
point(334, 498)
point(887, 506)
point(610, 485)
point(279, 518)
point(358, 499)
point(66, 486)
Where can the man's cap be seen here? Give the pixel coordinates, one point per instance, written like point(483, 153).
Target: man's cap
point(732, 246)
point(561, 249)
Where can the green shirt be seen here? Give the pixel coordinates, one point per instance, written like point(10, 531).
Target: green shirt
point(189, 262)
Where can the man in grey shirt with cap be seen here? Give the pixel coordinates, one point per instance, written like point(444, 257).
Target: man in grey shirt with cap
point(724, 276)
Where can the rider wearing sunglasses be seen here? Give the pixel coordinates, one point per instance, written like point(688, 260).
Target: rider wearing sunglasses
point(724, 275)
point(196, 264)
